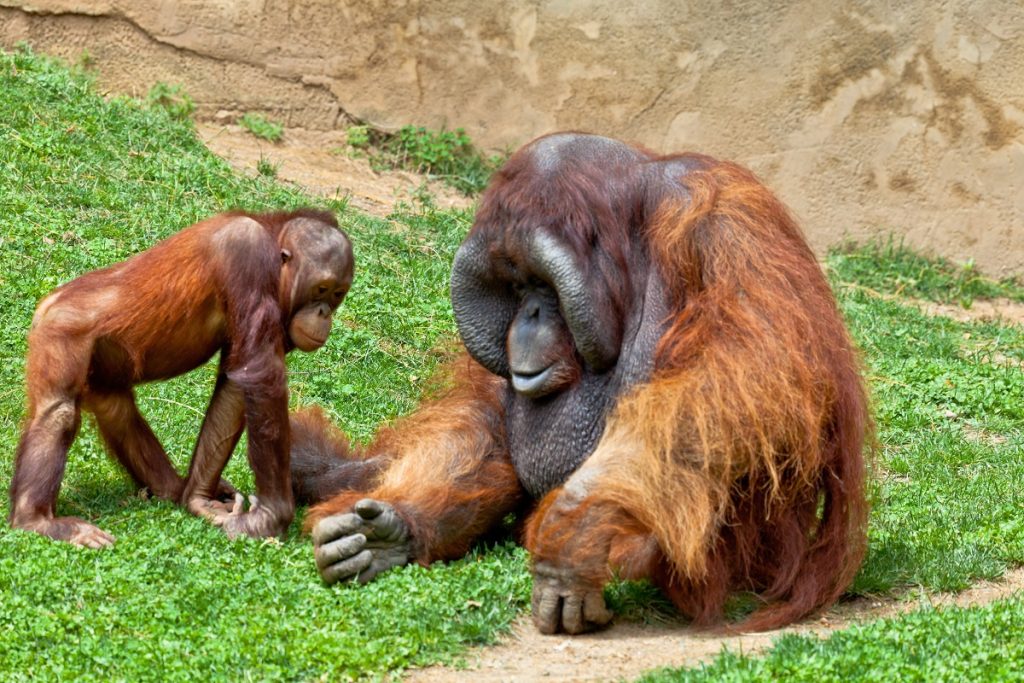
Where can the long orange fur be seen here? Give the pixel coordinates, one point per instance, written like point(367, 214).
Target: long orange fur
point(739, 465)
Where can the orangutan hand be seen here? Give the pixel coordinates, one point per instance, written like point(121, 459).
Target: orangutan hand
point(561, 602)
point(359, 545)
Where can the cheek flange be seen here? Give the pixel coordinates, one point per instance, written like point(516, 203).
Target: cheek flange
point(555, 263)
point(483, 307)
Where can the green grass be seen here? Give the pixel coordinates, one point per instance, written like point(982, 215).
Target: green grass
point(890, 267)
point(935, 645)
point(262, 127)
point(88, 181)
point(445, 154)
point(949, 401)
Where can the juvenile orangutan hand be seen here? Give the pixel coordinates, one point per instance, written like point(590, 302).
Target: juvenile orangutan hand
point(562, 602)
point(260, 521)
point(360, 544)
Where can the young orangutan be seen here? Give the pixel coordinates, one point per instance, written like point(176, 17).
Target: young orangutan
point(252, 287)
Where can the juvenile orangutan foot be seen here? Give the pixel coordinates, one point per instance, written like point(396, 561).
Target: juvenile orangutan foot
point(361, 544)
point(562, 602)
point(214, 510)
point(260, 521)
point(71, 529)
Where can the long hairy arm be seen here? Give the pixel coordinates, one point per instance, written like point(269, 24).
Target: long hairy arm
point(448, 479)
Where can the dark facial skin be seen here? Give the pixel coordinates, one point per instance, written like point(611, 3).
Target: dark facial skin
point(530, 292)
point(540, 354)
point(316, 274)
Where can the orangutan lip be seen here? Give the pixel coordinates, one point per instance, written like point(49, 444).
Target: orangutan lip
point(310, 339)
point(529, 383)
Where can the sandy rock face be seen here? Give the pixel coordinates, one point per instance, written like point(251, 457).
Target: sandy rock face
point(867, 118)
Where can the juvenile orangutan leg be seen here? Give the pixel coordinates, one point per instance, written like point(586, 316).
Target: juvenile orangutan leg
point(132, 442)
point(38, 470)
point(55, 387)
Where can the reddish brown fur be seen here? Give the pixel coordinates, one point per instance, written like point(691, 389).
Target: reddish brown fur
point(709, 476)
point(217, 285)
point(454, 450)
point(755, 416)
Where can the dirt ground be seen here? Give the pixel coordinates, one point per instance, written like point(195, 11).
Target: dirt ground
point(318, 161)
point(624, 651)
point(990, 310)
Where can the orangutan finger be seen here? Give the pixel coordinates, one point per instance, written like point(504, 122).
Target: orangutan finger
point(595, 611)
point(368, 508)
point(330, 528)
point(547, 611)
point(336, 551)
point(572, 614)
point(346, 569)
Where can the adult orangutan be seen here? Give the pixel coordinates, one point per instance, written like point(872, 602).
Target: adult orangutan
point(250, 286)
point(657, 360)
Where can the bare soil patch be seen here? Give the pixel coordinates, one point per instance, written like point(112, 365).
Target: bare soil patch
point(319, 162)
point(625, 651)
point(987, 310)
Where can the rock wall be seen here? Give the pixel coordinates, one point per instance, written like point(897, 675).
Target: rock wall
point(868, 117)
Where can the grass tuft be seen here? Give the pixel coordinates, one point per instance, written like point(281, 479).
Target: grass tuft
point(173, 99)
point(262, 127)
point(446, 154)
point(891, 267)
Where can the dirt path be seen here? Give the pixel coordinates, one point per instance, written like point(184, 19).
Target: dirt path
point(987, 310)
point(624, 651)
point(318, 161)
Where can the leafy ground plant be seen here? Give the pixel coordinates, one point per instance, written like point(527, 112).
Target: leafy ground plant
point(446, 154)
point(172, 98)
point(262, 127)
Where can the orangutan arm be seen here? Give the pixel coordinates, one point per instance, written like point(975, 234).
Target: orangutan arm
point(450, 479)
